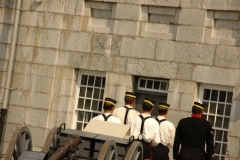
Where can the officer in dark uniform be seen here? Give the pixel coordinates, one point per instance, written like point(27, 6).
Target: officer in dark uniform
point(194, 133)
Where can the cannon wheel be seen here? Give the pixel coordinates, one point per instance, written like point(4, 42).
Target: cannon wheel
point(135, 151)
point(108, 151)
point(52, 140)
point(21, 141)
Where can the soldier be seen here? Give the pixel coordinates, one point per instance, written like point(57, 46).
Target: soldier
point(166, 133)
point(108, 108)
point(146, 129)
point(126, 114)
point(194, 133)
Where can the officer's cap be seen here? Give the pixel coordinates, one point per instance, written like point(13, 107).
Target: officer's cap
point(149, 101)
point(163, 105)
point(198, 105)
point(130, 94)
point(110, 101)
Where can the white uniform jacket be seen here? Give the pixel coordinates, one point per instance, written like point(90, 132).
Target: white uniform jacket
point(110, 119)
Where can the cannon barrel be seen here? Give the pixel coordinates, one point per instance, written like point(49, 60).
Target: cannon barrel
point(66, 146)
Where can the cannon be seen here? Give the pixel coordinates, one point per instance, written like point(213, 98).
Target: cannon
point(92, 143)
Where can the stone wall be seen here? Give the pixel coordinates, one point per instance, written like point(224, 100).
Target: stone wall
point(187, 41)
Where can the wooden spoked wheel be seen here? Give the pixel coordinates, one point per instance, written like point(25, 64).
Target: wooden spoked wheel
point(108, 151)
point(135, 151)
point(52, 140)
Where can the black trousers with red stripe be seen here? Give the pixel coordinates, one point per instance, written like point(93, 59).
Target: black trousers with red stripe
point(160, 152)
point(146, 150)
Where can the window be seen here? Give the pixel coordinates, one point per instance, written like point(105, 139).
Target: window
point(154, 85)
point(218, 101)
point(90, 91)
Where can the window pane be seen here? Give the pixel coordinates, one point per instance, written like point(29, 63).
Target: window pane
point(227, 110)
point(98, 81)
point(217, 148)
point(84, 80)
point(216, 158)
point(213, 108)
point(226, 123)
point(229, 97)
point(87, 116)
point(219, 135)
point(100, 106)
point(142, 83)
point(102, 93)
point(91, 80)
point(222, 96)
point(80, 103)
point(89, 92)
point(222, 158)
point(211, 119)
point(79, 126)
point(204, 116)
point(206, 94)
point(219, 121)
point(164, 86)
point(87, 104)
point(94, 114)
point(225, 136)
point(95, 105)
point(149, 84)
point(80, 116)
point(84, 125)
point(220, 109)
point(103, 82)
point(224, 148)
point(206, 107)
point(214, 95)
point(96, 93)
point(156, 84)
point(82, 91)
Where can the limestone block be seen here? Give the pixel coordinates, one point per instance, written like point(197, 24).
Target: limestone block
point(61, 103)
point(98, 13)
point(41, 84)
point(231, 24)
point(49, 38)
point(236, 93)
point(186, 102)
point(172, 3)
point(3, 76)
point(110, 91)
point(163, 11)
point(192, 17)
point(123, 27)
point(24, 68)
point(38, 135)
point(191, 4)
point(120, 94)
point(64, 73)
point(194, 53)
point(219, 76)
point(151, 68)
point(70, 7)
point(165, 19)
point(50, 20)
point(7, 15)
point(10, 128)
point(184, 87)
point(6, 33)
point(144, 13)
point(7, 4)
point(175, 116)
point(128, 11)
point(210, 20)
point(165, 50)
point(4, 48)
point(39, 100)
point(106, 44)
point(45, 56)
point(16, 97)
point(76, 41)
point(119, 64)
point(101, 63)
point(36, 117)
point(3, 65)
point(79, 60)
point(71, 22)
point(28, 36)
point(42, 70)
point(63, 87)
point(190, 34)
point(222, 4)
point(139, 47)
point(63, 58)
point(29, 18)
point(30, 5)
point(64, 117)
point(227, 57)
point(233, 147)
point(184, 71)
point(21, 81)
point(100, 25)
point(16, 114)
point(83, 8)
point(173, 98)
point(101, 5)
point(24, 53)
point(226, 15)
point(117, 79)
point(234, 126)
point(54, 6)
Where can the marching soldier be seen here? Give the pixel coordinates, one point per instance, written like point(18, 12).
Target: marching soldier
point(146, 129)
point(108, 108)
point(193, 133)
point(166, 133)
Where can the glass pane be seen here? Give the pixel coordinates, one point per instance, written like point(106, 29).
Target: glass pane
point(80, 103)
point(156, 85)
point(222, 158)
point(103, 82)
point(217, 148)
point(89, 92)
point(91, 80)
point(94, 115)
point(204, 116)
point(100, 106)
point(220, 109)
point(206, 94)
point(222, 96)
point(98, 81)
point(214, 95)
point(84, 80)
point(149, 84)
point(102, 93)
point(79, 126)
point(164, 86)
point(206, 107)
point(219, 121)
point(80, 116)
point(211, 119)
point(87, 116)
point(218, 136)
point(87, 104)
point(224, 148)
point(229, 97)
point(216, 158)
point(94, 105)
point(142, 83)
point(82, 91)
point(226, 123)
point(96, 93)
point(227, 110)
point(225, 136)
point(212, 108)
point(84, 125)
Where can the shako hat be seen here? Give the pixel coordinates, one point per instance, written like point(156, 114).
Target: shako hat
point(163, 105)
point(130, 94)
point(110, 101)
point(149, 101)
point(198, 105)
